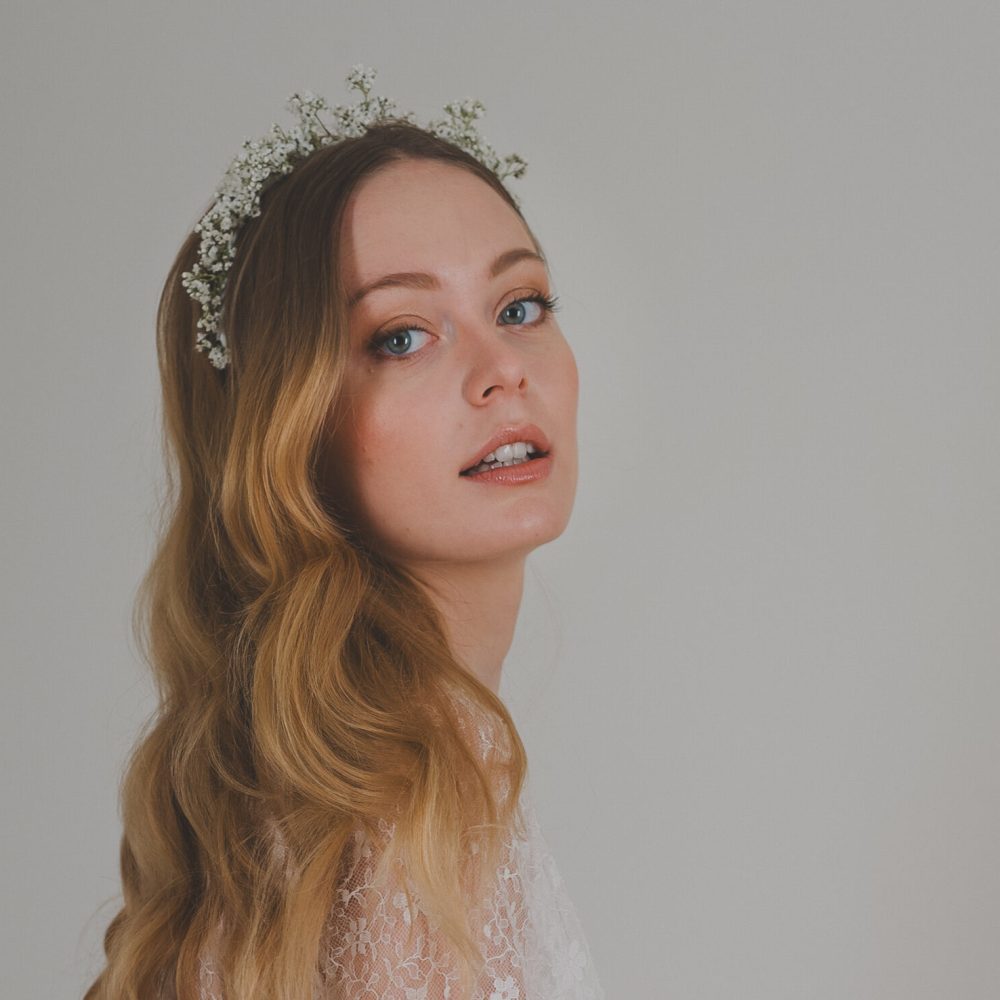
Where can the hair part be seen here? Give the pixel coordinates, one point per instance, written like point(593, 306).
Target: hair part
point(306, 687)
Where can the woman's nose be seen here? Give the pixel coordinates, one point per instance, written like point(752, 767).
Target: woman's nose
point(495, 365)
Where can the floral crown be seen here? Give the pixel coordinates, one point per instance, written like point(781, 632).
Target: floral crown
point(237, 197)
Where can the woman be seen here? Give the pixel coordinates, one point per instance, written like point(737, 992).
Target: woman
point(328, 802)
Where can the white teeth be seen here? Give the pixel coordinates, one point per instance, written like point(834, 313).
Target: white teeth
point(507, 454)
point(516, 449)
point(500, 465)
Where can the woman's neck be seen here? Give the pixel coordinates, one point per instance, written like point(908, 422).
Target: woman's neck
point(479, 603)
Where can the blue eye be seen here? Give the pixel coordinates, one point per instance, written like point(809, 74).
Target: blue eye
point(397, 342)
point(517, 308)
point(515, 312)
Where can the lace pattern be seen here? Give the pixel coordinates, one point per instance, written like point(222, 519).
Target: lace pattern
point(376, 946)
point(531, 938)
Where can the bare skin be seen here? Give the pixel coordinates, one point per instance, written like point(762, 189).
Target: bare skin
point(475, 356)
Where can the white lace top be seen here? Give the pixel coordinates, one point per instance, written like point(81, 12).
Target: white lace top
point(530, 934)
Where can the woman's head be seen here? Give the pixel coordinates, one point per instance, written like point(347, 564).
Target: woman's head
point(386, 428)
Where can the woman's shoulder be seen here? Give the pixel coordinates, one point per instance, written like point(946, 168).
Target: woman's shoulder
point(380, 941)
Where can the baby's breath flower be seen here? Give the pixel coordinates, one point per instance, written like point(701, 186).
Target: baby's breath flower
point(237, 198)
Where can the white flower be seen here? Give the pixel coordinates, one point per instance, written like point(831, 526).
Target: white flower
point(218, 356)
point(399, 901)
point(505, 989)
point(358, 938)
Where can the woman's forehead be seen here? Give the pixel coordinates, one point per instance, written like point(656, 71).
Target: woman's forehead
point(412, 215)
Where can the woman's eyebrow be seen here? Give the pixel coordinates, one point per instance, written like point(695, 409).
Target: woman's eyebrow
point(419, 279)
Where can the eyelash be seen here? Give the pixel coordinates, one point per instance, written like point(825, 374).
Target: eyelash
point(549, 304)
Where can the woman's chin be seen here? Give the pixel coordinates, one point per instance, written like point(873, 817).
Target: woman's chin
point(516, 541)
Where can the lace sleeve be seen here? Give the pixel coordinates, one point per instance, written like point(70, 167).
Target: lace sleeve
point(376, 945)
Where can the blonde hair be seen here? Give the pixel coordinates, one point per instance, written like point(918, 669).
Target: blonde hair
point(305, 683)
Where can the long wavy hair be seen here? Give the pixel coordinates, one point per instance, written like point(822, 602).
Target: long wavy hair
point(305, 682)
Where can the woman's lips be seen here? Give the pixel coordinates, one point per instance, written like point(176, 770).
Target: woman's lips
point(513, 475)
point(508, 434)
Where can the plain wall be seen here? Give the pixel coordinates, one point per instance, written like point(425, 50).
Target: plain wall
point(757, 676)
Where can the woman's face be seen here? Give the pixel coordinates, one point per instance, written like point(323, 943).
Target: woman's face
point(473, 359)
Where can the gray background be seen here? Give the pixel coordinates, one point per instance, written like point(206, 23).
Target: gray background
point(757, 676)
